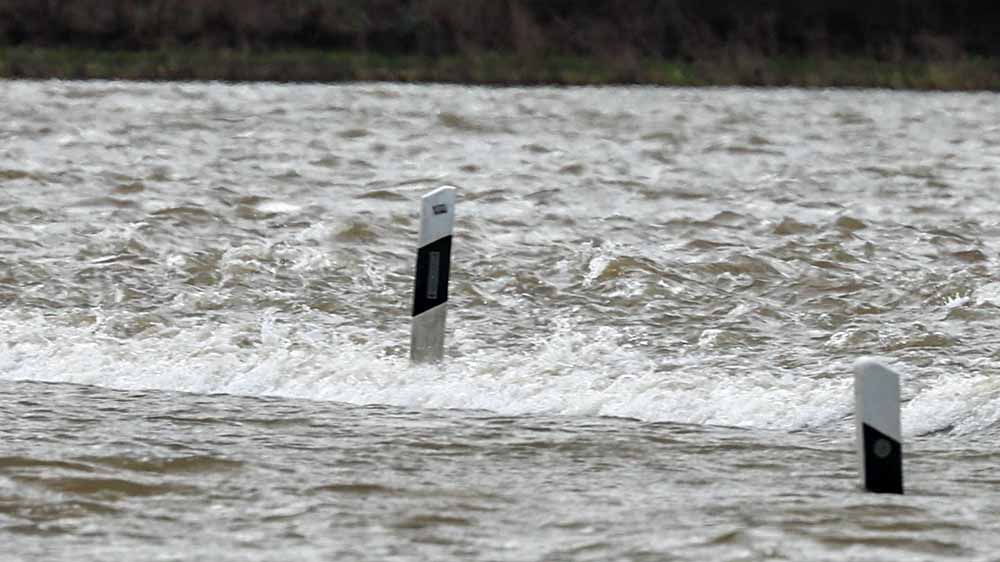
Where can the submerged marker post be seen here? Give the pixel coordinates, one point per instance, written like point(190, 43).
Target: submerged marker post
point(879, 433)
point(430, 288)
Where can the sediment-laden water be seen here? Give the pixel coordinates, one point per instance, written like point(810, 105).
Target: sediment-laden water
point(657, 296)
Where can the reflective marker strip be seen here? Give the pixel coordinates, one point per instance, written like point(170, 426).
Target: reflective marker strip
point(883, 462)
point(431, 282)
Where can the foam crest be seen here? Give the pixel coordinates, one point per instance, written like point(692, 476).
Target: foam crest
point(956, 402)
point(572, 371)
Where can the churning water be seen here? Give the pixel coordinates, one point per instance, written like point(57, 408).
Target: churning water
point(656, 299)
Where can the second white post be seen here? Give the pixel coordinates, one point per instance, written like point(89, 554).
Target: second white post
point(879, 433)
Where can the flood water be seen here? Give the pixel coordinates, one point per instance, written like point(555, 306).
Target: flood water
point(657, 296)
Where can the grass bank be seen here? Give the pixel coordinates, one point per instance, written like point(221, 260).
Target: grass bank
point(304, 65)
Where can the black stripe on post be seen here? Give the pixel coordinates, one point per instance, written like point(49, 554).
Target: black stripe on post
point(883, 462)
point(431, 281)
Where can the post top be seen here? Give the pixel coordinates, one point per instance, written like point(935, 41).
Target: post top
point(437, 214)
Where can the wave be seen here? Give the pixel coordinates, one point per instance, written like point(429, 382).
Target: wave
point(575, 371)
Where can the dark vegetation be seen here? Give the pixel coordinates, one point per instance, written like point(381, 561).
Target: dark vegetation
point(910, 43)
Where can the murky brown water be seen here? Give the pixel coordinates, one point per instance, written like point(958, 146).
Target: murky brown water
point(657, 296)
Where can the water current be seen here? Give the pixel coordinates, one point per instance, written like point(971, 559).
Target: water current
point(656, 299)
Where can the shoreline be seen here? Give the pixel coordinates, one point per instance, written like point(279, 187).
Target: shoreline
point(496, 69)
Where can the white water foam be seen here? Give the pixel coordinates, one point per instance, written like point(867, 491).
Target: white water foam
point(569, 373)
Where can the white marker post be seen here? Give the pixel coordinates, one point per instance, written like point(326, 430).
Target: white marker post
point(430, 291)
point(879, 433)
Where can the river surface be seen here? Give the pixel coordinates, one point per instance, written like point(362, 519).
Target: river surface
point(657, 296)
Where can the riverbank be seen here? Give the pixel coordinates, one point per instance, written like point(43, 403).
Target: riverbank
point(304, 65)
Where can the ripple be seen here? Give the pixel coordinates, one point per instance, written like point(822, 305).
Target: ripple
point(168, 465)
point(359, 489)
point(116, 488)
point(11, 175)
point(357, 232)
point(432, 520)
